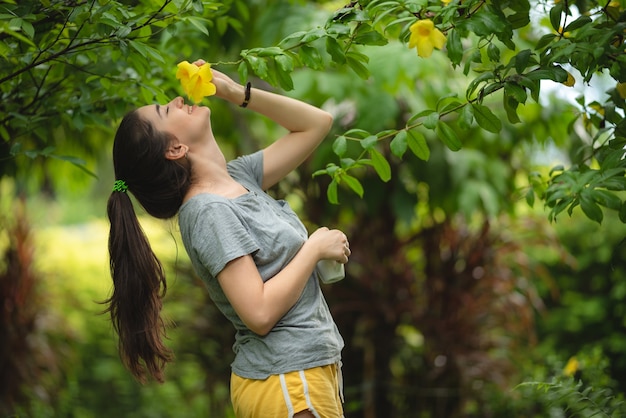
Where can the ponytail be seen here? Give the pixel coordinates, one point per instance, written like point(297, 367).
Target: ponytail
point(139, 284)
point(139, 287)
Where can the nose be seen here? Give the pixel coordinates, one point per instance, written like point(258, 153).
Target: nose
point(178, 102)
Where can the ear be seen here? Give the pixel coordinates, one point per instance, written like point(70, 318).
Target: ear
point(176, 151)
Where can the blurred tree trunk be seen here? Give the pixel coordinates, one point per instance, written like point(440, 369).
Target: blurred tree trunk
point(24, 350)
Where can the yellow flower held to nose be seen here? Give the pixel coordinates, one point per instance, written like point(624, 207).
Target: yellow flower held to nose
point(196, 81)
point(425, 37)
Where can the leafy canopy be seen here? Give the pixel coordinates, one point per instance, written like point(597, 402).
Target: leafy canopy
point(69, 66)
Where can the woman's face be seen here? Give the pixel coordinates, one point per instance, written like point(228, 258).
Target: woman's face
point(190, 124)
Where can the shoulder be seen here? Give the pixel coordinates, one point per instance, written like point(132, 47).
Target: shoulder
point(248, 167)
point(205, 208)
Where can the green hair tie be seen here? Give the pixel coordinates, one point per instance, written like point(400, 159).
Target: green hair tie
point(120, 186)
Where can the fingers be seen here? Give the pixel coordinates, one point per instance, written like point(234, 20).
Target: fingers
point(346, 248)
point(334, 244)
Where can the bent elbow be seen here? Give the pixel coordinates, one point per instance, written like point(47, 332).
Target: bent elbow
point(262, 331)
point(260, 326)
point(326, 121)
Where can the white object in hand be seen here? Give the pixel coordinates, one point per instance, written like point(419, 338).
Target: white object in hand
point(330, 271)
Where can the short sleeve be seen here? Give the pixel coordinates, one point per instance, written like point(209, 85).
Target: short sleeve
point(248, 169)
point(220, 236)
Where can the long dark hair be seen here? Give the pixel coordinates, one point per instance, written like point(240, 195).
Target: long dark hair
point(139, 284)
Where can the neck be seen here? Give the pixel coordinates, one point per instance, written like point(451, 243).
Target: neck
point(214, 179)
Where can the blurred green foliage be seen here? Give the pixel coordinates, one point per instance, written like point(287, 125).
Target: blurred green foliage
point(461, 299)
point(90, 381)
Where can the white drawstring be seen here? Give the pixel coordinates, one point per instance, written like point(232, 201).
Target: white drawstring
point(340, 380)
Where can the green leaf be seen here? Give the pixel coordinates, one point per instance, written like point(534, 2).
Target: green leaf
point(331, 192)
point(454, 47)
point(369, 142)
point(146, 50)
point(607, 199)
point(555, 15)
point(146, 93)
point(268, 52)
point(532, 85)
point(387, 133)
point(484, 23)
point(368, 36)
point(242, 70)
point(4, 134)
point(521, 60)
point(284, 79)
point(258, 65)
point(334, 50)
point(486, 119)
point(419, 115)
point(510, 107)
point(545, 40)
point(284, 67)
point(106, 83)
point(356, 132)
point(622, 213)
point(356, 64)
point(530, 197)
point(555, 73)
point(311, 57)
point(519, 19)
point(555, 169)
point(431, 120)
point(516, 91)
point(448, 136)
point(493, 52)
point(78, 162)
point(578, 23)
point(381, 165)
point(418, 145)
point(590, 207)
point(353, 183)
point(198, 23)
point(313, 35)
point(400, 21)
point(291, 41)
point(340, 146)
point(466, 117)
point(484, 77)
point(399, 144)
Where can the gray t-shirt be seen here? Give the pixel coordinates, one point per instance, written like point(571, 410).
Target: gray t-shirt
point(216, 230)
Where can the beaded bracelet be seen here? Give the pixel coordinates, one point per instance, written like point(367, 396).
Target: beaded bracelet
point(246, 99)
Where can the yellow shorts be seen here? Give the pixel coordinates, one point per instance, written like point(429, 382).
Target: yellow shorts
point(318, 390)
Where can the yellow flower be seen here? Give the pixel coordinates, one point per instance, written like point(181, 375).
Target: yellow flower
point(196, 81)
point(597, 107)
point(570, 80)
point(571, 367)
point(613, 9)
point(621, 90)
point(425, 36)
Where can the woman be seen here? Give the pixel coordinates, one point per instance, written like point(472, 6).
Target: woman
point(252, 251)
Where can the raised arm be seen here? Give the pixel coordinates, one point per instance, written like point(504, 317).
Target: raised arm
point(307, 126)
